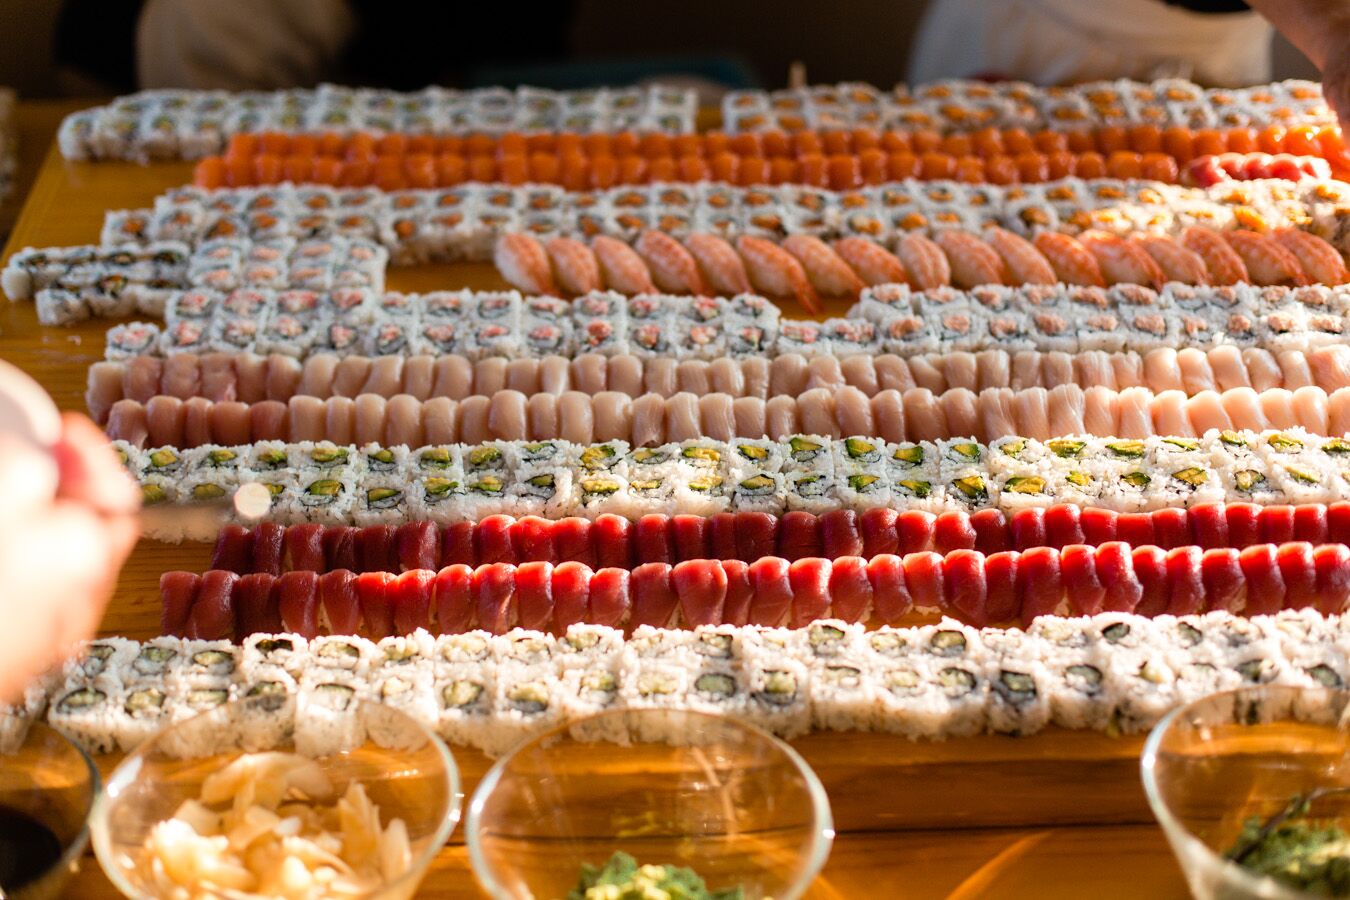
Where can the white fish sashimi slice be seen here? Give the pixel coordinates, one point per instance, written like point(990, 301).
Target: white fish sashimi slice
point(924, 418)
point(997, 417)
point(1206, 411)
point(1243, 406)
point(1169, 414)
point(1135, 415)
point(853, 411)
point(1294, 369)
point(958, 406)
point(1330, 366)
point(1277, 404)
point(1101, 412)
point(1196, 373)
point(1162, 370)
point(1312, 409)
point(1263, 370)
point(1066, 407)
point(992, 369)
point(888, 414)
point(1032, 413)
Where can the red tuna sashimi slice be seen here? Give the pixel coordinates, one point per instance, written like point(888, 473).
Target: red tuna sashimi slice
point(339, 605)
point(756, 535)
point(740, 593)
point(891, 600)
point(1332, 565)
point(772, 603)
point(375, 548)
point(494, 596)
point(651, 540)
point(452, 593)
point(953, 531)
point(612, 537)
point(267, 547)
point(1000, 578)
point(840, 534)
point(1063, 525)
point(339, 548)
point(654, 600)
point(914, 531)
point(923, 577)
point(233, 551)
point(1121, 590)
point(1244, 524)
point(1136, 529)
point(1082, 588)
point(1299, 572)
point(255, 605)
point(1186, 585)
point(1040, 588)
point(810, 581)
point(1310, 523)
point(1265, 584)
point(1210, 525)
point(722, 536)
point(534, 595)
point(965, 593)
point(457, 545)
point(850, 589)
point(418, 546)
point(572, 539)
point(304, 548)
point(492, 540)
point(701, 586)
point(177, 593)
point(608, 597)
point(1172, 528)
point(798, 535)
point(1338, 522)
point(1099, 525)
point(532, 539)
point(879, 534)
point(991, 531)
point(298, 602)
point(1027, 529)
point(412, 594)
point(374, 591)
point(212, 617)
point(690, 537)
point(1277, 524)
point(1150, 567)
point(1221, 572)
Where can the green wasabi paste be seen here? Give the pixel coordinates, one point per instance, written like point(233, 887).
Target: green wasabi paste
point(623, 879)
point(1310, 855)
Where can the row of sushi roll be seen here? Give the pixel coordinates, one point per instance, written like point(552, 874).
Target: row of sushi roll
point(648, 421)
point(169, 124)
point(611, 541)
point(888, 319)
point(978, 588)
point(961, 105)
point(1112, 672)
point(252, 378)
point(464, 222)
point(342, 484)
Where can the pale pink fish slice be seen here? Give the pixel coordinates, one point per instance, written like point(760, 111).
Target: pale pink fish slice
point(621, 267)
point(1221, 261)
point(1121, 262)
point(523, 262)
point(925, 262)
point(719, 263)
point(1073, 263)
point(1267, 261)
point(827, 272)
point(973, 262)
point(574, 265)
point(673, 268)
point(1025, 264)
point(873, 263)
point(775, 271)
point(1321, 262)
point(1177, 262)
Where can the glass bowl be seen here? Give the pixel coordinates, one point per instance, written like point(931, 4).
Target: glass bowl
point(1213, 764)
point(731, 802)
point(54, 782)
point(405, 769)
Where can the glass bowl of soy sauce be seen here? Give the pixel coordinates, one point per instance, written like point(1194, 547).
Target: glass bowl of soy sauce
point(47, 788)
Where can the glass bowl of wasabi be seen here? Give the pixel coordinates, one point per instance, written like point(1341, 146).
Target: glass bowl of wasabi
point(1252, 788)
point(630, 803)
point(243, 802)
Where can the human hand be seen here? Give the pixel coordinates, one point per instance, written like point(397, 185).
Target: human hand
point(59, 557)
point(1336, 83)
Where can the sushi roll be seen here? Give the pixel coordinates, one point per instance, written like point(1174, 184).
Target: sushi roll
point(470, 647)
point(524, 650)
point(206, 663)
point(266, 654)
point(1079, 691)
point(144, 709)
point(465, 697)
point(86, 712)
point(717, 687)
point(777, 695)
point(104, 660)
point(159, 661)
point(327, 718)
point(1019, 701)
point(346, 653)
point(408, 689)
point(526, 703)
point(584, 646)
point(405, 653)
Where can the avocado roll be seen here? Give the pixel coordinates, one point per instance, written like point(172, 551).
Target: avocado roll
point(327, 718)
point(465, 698)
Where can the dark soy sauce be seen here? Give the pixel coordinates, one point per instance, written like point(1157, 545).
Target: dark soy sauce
point(27, 848)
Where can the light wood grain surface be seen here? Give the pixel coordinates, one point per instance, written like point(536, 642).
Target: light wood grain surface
point(1057, 815)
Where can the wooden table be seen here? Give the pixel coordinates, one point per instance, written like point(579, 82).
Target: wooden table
point(1060, 814)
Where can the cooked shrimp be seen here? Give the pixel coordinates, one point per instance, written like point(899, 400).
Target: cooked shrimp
point(623, 270)
point(924, 261)
point(522, 261)
point(775, 271)
point(873, 263)
point(1121, 262)
point(673, 267)
point(574, 265)
point(1320, 261)
point(1073, 263)
point(973, 262)
point(1222, 261)
point(1267, 261)
point(827, 272)
point(721, 267)
point(1025, 264)
point(1177, 262)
